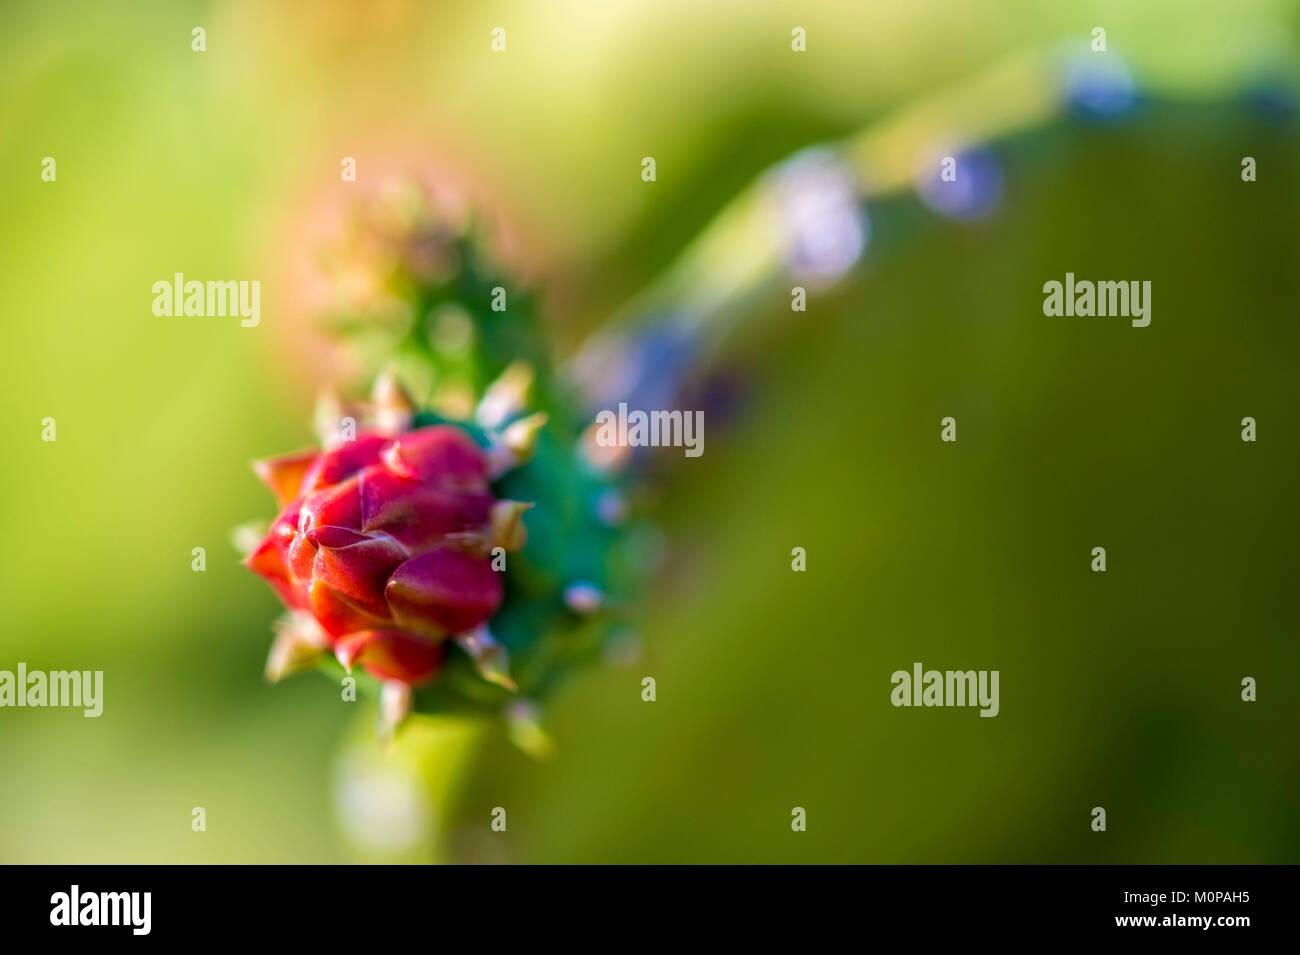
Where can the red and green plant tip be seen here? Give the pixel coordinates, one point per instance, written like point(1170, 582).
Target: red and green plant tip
point(384, 548)
point(400, 549)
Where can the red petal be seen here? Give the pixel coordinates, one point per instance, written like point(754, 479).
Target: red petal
point(335, 506)
point(301, 557)
point(271, 560)
point(417, 513)
point(344, 461)
point(445, 590)
point(268, 562)
point(283, 475)
point(337, 614)
point(391, 655)
point(441, 454)
point(356, 565)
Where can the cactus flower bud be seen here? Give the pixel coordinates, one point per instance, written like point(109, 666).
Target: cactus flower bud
point(372, 552)
point(393, 540)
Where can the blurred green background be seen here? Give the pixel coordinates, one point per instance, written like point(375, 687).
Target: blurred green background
point(1120, 690)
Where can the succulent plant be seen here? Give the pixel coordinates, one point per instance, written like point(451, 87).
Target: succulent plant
point(455, 554)
point(386, 551)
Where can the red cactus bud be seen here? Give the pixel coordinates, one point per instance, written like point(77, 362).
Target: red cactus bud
point(372, 546)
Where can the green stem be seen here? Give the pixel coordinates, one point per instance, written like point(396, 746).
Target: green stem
point(398, 801)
